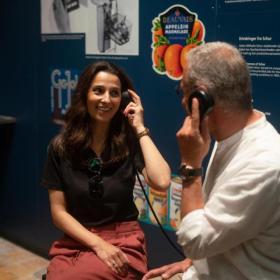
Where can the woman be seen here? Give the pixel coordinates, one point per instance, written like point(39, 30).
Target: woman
point(90, 174)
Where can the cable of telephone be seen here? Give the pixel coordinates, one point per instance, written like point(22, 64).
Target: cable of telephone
point(157, 220)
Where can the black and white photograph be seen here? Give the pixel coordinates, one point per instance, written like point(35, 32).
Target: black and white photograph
point(111, 27)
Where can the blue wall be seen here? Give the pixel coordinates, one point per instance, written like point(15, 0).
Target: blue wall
point(26, 64)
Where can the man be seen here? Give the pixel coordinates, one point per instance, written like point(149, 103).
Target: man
point(230, 227)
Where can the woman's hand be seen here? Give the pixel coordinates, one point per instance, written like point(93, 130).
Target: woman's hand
point(112, 256)
point(134, 112)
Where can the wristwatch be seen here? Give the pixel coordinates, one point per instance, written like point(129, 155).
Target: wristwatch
point(187, 172)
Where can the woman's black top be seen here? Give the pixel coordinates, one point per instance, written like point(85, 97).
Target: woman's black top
point(116, 181)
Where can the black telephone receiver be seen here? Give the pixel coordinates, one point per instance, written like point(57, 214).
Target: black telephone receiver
point(206, 102)
point(126, 99)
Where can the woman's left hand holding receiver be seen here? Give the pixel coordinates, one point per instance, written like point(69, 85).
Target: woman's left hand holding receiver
point(156, 171)
point(134, 112)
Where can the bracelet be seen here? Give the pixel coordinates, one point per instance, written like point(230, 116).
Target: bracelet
point(146, 131)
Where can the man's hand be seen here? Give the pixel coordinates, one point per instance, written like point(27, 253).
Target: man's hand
point(193, 138)
point(169, 270)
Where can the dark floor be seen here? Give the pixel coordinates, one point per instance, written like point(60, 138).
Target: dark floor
point(16, 263)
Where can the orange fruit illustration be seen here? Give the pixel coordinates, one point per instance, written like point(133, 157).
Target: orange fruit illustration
point(172, 60)
point(184, 52)
point(198, 30)
point(158, 55)
point(157, 34)
point(157, 30)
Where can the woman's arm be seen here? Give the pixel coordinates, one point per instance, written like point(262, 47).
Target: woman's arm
point(156, 171)
point(108, 253)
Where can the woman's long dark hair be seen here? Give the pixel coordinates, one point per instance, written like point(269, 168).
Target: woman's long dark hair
point(76, 137)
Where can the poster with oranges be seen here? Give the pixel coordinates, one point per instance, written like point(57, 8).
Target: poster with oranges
point(174, 32)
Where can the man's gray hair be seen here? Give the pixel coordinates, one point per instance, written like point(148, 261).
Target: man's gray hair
point(220, 68)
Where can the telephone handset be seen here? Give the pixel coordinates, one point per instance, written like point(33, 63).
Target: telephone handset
point(126, 99)
point(206, 102)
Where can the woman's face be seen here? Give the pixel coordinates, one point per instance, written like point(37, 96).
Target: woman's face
point(104, 97)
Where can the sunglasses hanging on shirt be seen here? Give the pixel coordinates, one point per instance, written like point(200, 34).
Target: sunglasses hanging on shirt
point(95, 181)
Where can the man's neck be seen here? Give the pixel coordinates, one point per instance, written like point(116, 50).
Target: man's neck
point(231, 123)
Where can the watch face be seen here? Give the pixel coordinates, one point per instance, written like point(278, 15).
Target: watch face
point(189, 172)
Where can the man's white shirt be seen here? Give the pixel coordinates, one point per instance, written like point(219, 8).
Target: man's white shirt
point(237, 234)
